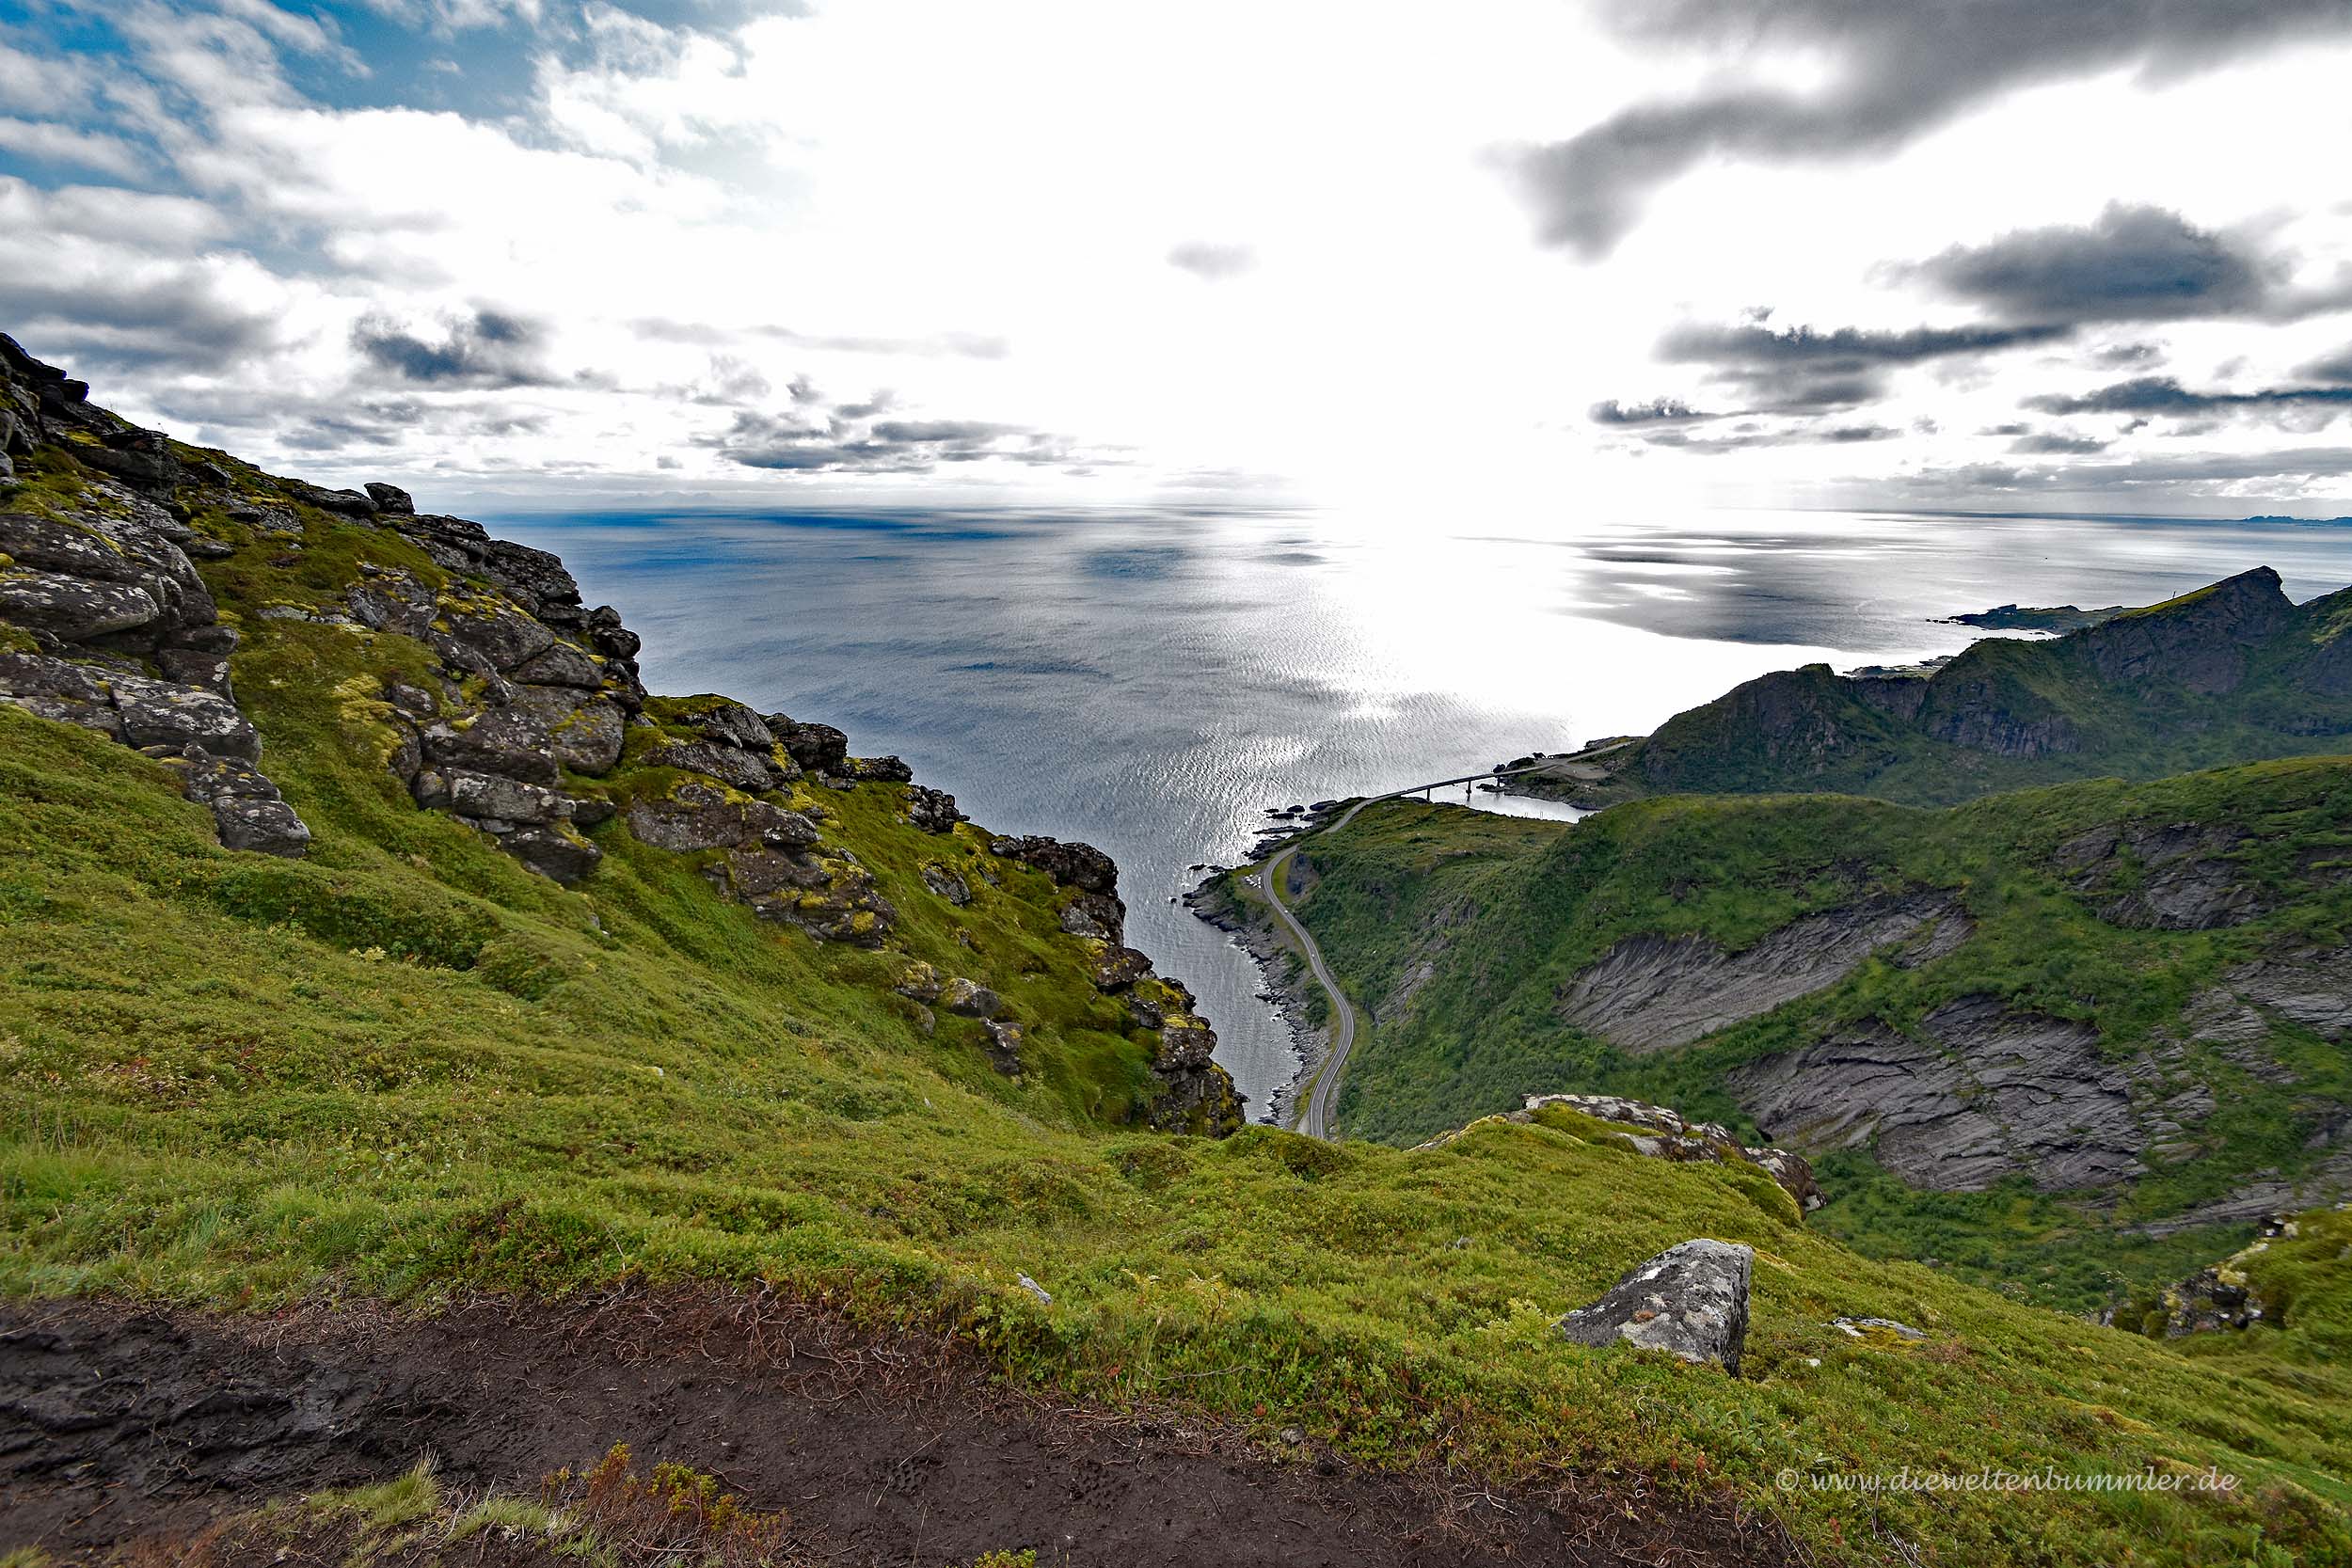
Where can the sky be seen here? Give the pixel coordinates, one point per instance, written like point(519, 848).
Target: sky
point(1593, 258)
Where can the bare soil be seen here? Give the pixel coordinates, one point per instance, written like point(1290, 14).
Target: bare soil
point(121, 1423)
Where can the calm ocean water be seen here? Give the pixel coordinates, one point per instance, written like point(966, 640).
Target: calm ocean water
point(1151, 682)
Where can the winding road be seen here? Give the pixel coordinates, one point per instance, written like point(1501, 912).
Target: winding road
point(1314, 1117)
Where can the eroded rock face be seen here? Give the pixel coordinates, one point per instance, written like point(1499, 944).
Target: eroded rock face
point(1095, 910)
point(2205, 645)
point(1691, 1301)
point(1655, 992)
point(1987, 1092)
point(2179, 876)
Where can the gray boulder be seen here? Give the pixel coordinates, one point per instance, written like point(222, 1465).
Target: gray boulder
point(969, 998)
point(931, 810)
point(247, 811)
point(1689, 1301)
point(158, 713)
point(818, 747)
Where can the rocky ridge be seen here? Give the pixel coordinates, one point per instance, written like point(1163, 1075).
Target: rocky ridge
point(105, 621)
point(2141, 693)
point(525, 717)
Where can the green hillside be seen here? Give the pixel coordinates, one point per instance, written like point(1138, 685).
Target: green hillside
point(2232, 672)
point(404, 1065)
point(1461, 934)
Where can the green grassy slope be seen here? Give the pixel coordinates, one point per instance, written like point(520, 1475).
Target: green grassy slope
point(408, 1067)
point(1504, 915)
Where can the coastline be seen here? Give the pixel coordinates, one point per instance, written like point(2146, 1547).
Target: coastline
point(1287, 986)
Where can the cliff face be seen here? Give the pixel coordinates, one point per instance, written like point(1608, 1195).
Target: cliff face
point(501, 699)
point(2233, 673)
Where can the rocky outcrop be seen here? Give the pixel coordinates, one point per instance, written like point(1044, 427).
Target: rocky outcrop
point(1652, 992)
point(1094, 908)
point(109, 622)
point(1659, 1133)
point(1667, 1135)
point(2218, 1299)
point(1691, 1301)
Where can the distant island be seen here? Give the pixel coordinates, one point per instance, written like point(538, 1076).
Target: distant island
point(2057, 618)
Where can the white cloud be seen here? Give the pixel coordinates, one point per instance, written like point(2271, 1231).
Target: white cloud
point(46, 141)
point(993, 197)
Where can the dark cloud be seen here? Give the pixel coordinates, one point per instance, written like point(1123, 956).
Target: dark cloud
point(845, 437)
point(1800, 370)
point(1901, 69)
point(1214, 262)
point(2135, 263)
point(489, 349)
point(2286, 467)
point(182, 318)
point(2117, 356)
point(1846, 349)
point(2336, 367)
point(2162, 394)
point(1751, 434)
point(2051, 443)
point(1656, 411)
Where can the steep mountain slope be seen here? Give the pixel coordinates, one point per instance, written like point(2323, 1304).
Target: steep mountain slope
point(392, 1058)
point(2121, 1009)
point(2233, 673)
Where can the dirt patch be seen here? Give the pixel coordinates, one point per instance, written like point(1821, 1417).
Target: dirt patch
point(118, 1422)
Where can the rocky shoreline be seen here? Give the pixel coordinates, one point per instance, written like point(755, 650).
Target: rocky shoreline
point(1287, 986)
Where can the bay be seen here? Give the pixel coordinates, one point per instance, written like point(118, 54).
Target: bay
point(1153, 680)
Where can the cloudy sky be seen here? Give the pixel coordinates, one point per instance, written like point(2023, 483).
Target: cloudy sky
point(1612, 256)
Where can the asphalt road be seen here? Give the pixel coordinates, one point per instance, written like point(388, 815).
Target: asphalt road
point(1314, 1117)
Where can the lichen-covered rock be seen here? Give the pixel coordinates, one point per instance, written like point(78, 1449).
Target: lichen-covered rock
point(1116, 968)
point(947, 882)
point(919, 981)
point(1666, 1134)
point(1004, 1045)
point(158, 713)
point(706, 816)
point(931, 810)
point(1078, 865)
point(247, 811)
point(554, 850)
point(1691, 1301)
point(727, 764)
point(818, 747)
point(57, 688)
point(969, 998)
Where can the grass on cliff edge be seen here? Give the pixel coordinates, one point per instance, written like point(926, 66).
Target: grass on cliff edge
point(206, 1100)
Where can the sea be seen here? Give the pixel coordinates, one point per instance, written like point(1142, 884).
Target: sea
point(1154, 681)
